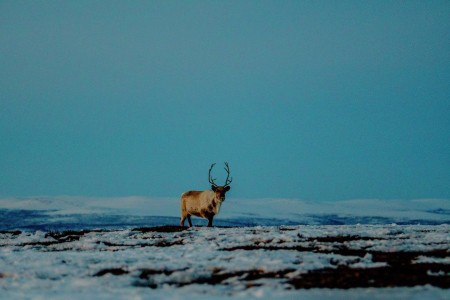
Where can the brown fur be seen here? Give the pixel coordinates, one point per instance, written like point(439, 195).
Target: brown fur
point(203, 204)
point(191, 193)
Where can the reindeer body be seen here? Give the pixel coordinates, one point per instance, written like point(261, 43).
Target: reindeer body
point(204, 204)
point(201, 204)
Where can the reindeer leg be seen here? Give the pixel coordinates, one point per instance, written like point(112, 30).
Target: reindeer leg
point(182, 220)
point(210, 219)
point(189, 220)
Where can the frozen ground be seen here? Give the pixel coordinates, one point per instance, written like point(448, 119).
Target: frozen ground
point(72, 248)
point(375, 261)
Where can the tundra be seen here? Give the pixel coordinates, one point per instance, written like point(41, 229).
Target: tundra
point(204, 204)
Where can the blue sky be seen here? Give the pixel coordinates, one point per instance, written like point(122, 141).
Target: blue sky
point(317, 100)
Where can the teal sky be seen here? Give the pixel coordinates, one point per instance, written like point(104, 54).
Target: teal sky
point(317, 100)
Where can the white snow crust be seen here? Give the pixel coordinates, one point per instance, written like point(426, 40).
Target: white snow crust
point(34, 264)
point(32, 267)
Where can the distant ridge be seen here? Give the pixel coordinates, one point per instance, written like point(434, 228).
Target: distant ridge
point(70, 213)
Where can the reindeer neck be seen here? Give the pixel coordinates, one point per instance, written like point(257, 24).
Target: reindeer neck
point(215, 203)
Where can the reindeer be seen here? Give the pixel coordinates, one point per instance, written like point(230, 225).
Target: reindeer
point(205, 204)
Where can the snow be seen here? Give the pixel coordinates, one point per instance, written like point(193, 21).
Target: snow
point(291, 238)
point(32, 265)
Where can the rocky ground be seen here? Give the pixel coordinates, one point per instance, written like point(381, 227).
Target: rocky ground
point(264, 261)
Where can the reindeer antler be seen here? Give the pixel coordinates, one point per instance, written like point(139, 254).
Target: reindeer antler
point(227, 169)
point(211, 180)
point(228, 180)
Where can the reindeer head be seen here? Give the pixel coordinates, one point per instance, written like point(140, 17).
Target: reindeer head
point(220, 190)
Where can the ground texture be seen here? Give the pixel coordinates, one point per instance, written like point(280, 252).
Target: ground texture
point(267, 261)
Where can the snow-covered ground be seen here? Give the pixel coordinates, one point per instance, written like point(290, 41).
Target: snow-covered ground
point(360, 249)
point(259, 262)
